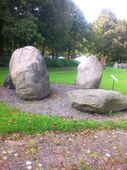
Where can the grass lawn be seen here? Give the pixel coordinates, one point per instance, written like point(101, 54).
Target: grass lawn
point(120, 74)
point(13, 120)
point(67, 76)
point(3, 74)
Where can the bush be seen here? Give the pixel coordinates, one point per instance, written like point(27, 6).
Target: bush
point(110, 64)
point(55, 62)
point(4, 61)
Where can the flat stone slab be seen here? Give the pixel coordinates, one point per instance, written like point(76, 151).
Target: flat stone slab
point(97, 100)
point(56, 104)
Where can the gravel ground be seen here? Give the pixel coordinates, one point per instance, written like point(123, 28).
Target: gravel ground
point(89, 150)
point(56, 104)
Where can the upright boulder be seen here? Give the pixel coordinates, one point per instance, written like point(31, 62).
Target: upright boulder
point(89, 73)
point(8, 82)
point(97, 100)
point(29, 73)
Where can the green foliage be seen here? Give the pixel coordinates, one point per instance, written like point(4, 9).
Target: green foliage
point(60, 62)
point(103, 28)
point(24, 32)
point(110, 36)
point(110, 64)
point(14, 121)
point(4, 61)
point(55, 23)
point(119, 42)
point(54, 26)
point(78, 33)
point(59, 27)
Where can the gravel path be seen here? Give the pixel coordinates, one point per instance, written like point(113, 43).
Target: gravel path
point(89, 150)
point(56, 104)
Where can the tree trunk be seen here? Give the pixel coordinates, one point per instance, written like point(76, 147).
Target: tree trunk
point(43, 49)
point(68, 54)
point(53, 56)
point(1, 37)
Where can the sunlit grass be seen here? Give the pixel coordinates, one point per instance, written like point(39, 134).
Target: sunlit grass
point(120, 74)
point(14, 121)
point(67, 75)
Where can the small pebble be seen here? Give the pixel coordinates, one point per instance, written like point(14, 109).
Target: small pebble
point(5, 157)
point(29, 167)
point(70, 140)
point(114, 147)
point(40, 165)
point(28, 163)
point(88, 151)
point(10, 151)
point(4, 152)
point(15, 154)
point(108, 155)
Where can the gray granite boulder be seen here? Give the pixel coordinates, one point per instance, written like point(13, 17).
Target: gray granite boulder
point(97, 100)
point(8, 82)
point(29, 73)
point(89, 73)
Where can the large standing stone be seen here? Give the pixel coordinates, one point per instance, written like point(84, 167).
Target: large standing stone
point(29, 73)
point(8, 82)
point(97, 100)
point(89, 73)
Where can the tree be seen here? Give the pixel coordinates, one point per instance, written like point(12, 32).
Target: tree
point(78, 32)
point(54, 23)
point(19, 27)
point(110, 36)
point(23, 32)
point(119, 42)
point(103, 28)
point(55, 26)
point(5, 14)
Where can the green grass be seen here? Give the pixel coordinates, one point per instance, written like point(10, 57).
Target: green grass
point(14, 121)
point(3, 74)
point(120, 74)
point(67, 75)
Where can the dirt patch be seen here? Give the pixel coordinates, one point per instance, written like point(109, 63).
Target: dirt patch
point(56, 104)
point(90, 150)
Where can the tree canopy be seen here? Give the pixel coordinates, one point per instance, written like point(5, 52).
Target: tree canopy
point(59, 27)
point(55, 26)
point(110, 36)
